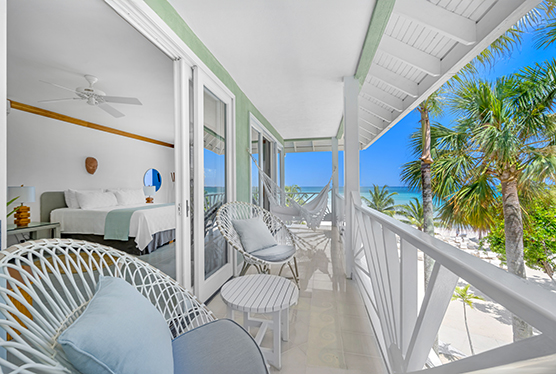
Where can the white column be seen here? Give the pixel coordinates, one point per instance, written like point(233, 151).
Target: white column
point(261, 165)
point(351, 161)
point(182, 73)
point(335, 180)
point(283, 174)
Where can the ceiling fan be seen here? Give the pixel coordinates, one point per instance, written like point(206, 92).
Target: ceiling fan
point(95, 97)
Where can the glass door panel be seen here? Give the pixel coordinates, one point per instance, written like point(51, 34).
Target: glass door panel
point(214, 155)
point(254, 170)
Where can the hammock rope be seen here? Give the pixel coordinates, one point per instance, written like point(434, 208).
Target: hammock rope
point(288, 209)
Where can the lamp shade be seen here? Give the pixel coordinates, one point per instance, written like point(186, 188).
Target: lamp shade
point(26, 194)
point(149, 190)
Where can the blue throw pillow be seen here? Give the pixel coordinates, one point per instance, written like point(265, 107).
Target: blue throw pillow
point(254, 234)
point(119, 332)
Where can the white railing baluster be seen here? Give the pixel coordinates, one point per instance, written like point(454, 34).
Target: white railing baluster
point(435, 303)
point(388, 281)
point(537, 346)
point(393, 266)
point(374, 253)
point(384, 279)
point(409, 292)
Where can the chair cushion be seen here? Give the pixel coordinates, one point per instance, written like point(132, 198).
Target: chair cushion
point(253, 233)
point(120, 331)
point(276, 253)
point(221, 346)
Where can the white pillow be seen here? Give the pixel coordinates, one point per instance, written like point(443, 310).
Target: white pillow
point(71, 199)
point(129, 197)
point(92, 200)
point(253, 234)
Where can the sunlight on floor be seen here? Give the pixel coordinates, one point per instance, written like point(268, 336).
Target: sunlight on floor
point(330, 331)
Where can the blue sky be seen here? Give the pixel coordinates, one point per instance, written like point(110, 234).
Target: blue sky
point(381, 163)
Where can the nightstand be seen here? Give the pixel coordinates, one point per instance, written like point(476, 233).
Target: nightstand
point(33, 227)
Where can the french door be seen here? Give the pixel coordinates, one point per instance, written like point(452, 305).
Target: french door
point(213, 183)
point(268, 156)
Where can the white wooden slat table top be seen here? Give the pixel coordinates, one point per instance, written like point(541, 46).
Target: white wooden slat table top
point(259, 293)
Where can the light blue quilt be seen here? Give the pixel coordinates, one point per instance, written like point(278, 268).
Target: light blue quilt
point(116, 225)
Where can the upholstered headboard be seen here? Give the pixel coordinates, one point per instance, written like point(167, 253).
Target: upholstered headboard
point(49, 201)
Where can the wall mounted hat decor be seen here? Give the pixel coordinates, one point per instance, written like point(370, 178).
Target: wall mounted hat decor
point(91, 164)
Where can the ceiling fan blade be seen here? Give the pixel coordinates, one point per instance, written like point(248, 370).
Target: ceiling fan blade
point(110, 110)
point(122, 100)
point(55, 100)
point(62, 87)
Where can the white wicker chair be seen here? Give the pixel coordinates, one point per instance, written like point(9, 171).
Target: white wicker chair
point(46, 284)
point(238, 210)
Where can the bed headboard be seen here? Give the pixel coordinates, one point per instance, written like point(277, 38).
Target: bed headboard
point(49, 201)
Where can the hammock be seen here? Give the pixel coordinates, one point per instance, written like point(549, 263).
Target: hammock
point(290, 210)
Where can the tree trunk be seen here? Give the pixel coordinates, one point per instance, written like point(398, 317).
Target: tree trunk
point(428, 213)
point(467, 328)
point(513, 230)
point(426, 161)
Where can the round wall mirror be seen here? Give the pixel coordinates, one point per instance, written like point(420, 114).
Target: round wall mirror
point(152, 178)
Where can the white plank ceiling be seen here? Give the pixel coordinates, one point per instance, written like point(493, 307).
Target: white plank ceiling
point(425, 43)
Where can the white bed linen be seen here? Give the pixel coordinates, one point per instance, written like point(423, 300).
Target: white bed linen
point(143, 225)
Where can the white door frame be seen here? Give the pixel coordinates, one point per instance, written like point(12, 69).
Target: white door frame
point(205, 288)
point(145, 20)
point(182, 75)
point(276, 146)
point(3, 124)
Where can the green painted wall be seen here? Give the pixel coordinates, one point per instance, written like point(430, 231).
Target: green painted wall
point(379, 21)
point(243, 104)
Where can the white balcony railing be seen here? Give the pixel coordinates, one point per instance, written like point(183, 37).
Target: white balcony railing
point(385, 253)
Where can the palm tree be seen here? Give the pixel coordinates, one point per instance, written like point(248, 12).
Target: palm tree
point(381, 200)
point(507, 133)
point(413, 214)
point(431, 105)
point(294, 192)
point(463, 294)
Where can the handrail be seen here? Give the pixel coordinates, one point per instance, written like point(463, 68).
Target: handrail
point(495, 282)
point(387, 276)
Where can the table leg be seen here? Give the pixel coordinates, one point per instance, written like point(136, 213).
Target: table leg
point(286, 324)
point(230, 313)
point(277, 344)
point(57, 233)
point(246, 324)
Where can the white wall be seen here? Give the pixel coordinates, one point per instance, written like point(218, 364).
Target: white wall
point(3, 161)
point(50, 155)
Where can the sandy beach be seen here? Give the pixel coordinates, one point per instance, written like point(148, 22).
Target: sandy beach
point(489, 322)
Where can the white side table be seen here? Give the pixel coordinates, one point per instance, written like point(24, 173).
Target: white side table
point(263, 293)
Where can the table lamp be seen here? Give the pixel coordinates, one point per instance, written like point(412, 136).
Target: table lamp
point(149, 191)
point(24, 194)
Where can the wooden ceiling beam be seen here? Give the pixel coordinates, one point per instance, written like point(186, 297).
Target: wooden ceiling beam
point(384, 97)
point(433, 17)
point(79, 122)
point(411, 55)
point(394, 80)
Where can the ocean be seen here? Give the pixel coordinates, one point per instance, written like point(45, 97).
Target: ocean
point(404, 194)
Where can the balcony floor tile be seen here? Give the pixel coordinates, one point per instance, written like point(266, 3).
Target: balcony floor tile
point(330, 331)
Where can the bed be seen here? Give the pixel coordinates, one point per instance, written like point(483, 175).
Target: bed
point(150, 226)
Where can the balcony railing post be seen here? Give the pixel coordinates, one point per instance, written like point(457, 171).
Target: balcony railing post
point(335, 180)
point(351, 161)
